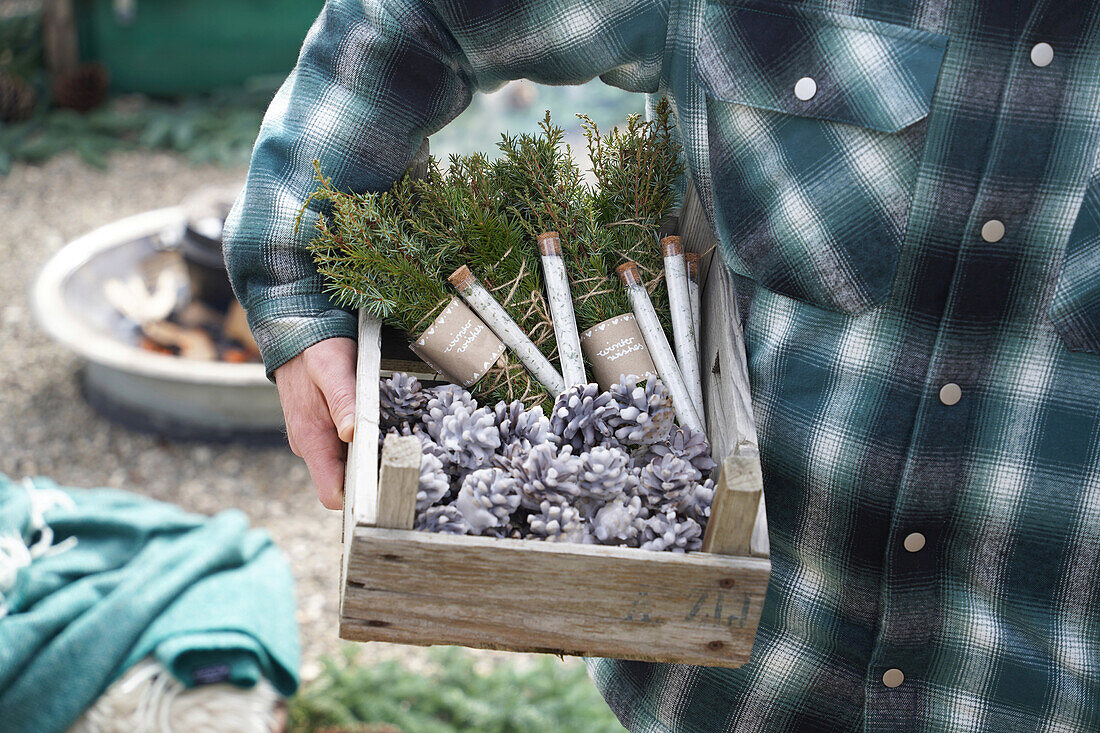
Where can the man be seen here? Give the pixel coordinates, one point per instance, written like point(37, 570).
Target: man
point(909, 193)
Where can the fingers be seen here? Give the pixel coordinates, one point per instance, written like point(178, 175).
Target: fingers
point(313, 438)
point(310, 429)
point(325, 456)
point(331, 366)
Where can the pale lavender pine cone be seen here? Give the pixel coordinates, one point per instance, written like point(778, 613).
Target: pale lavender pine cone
point(557, 522)
point(547, 473)
point(444, 519)
point(605, 473)
point(669, 532)
point(689, 444)
point(644, 413)
point(434, 482)
point(519, 425)
point(487, 498)
point(401, 401)
point(667, 482)
point(619, 522)
point(580, 417)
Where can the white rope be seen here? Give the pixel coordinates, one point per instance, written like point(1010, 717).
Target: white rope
point(16, 554)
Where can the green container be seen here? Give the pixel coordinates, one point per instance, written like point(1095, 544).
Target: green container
point(168, 47)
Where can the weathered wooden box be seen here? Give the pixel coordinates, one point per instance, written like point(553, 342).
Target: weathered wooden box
point(421, 588)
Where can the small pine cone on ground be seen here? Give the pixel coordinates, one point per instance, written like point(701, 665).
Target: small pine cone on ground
point(691, 445)
point(445, 519)
point(547, 473)
point(669, 532)
point(17, 98)
point(667, 482)
point(580, 417)
point(487, 498)
point(557, 522)
point(605, 473)
point(401, 401)
point(434, 482)
point(644, 413)
point(83, 88)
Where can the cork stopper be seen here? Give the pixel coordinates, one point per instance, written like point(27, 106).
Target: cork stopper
point(462, 278)
point(629, 273)
point(692, 260)
point(549, 243)
point(671, 246)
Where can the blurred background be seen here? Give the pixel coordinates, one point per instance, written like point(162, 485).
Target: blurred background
point(125, 131)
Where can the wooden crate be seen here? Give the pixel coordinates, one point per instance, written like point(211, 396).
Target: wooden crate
point(410, 587)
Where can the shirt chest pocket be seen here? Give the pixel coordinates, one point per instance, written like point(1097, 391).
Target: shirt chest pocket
point(1075, 309)
point(816, 126)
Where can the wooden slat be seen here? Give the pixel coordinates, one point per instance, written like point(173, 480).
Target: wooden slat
point(361, 474)
point(737, 493)
point(731, 425)
point(695, 229)
point(398, 480)
point(522, 595)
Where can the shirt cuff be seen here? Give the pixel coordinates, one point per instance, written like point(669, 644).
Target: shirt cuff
point(285, 327)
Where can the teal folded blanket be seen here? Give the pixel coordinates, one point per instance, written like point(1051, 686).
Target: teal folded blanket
point(93, 580)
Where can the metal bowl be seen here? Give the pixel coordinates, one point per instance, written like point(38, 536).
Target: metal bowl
point(167, 395)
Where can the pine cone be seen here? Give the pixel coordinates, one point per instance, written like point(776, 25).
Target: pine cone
point(84, 88)
point(487, 499)
point(581, 417)
point(470, 440)
point(401, 400)
point(668, 482)
point(17, 98)
point(443, 398)
point(516, 424)
point(557, 522)
point(691, 445)
point(434, 482)
point(668, 532)
point(644, 414)
point(620, 521)
point(605, 473)
point(445, 519)
point(548, 473)
point(696, 505)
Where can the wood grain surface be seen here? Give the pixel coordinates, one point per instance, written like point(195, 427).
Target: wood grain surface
point(526, 595)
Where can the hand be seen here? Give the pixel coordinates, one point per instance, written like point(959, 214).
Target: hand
point(317, 391)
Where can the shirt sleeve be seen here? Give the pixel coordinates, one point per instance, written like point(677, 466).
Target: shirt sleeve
point(374, 78)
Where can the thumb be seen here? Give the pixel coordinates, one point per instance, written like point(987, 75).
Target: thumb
point(333, 371)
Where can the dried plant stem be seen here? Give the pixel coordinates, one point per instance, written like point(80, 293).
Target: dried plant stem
point(496, 318)
point(659, 349)
point(683, 330)
point(561, 308)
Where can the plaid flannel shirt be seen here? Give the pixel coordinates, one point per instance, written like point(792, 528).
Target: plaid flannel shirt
point(908, 191)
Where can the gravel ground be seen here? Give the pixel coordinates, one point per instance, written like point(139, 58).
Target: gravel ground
point(47, 429)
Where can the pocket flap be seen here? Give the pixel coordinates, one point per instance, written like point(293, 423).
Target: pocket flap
point(868, 73)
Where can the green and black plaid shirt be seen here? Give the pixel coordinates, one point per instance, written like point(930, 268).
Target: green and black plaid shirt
point(909, 191)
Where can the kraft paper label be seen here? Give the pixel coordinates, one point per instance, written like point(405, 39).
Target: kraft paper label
point(616, 348)
point(459, 345)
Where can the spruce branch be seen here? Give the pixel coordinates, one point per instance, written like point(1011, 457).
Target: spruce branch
point(373, 258)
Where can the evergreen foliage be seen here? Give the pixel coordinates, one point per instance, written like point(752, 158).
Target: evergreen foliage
point(454, 694)
point(374, 258)
point(391, 252)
